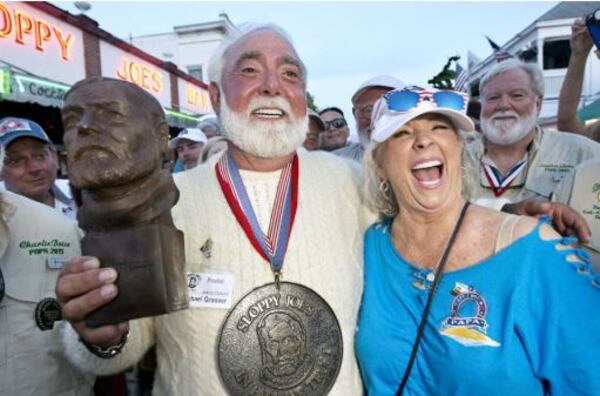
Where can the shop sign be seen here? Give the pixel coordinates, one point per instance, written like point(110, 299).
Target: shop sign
point(123, 65)
point(145, 76)
point(17, 25)
point(25, 88)
point(193, 98)
point(40, 43)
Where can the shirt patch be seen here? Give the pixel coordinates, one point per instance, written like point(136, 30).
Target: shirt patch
point(470, 331)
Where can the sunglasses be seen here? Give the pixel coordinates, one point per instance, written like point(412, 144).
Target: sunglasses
point(336, 123)
point(408, 99)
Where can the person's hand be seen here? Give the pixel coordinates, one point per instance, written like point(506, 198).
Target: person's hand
point(581, 40)
point(82, 287)
point(564, 219)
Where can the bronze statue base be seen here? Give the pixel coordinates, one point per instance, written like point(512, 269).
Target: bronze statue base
point(147, 287)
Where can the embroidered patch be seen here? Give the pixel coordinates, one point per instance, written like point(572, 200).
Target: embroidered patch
point(41, 247)
point(467, 330)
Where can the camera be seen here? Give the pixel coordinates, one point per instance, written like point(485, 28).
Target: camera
point(592, 21)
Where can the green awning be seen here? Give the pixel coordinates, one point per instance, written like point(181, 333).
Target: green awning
point(180, 120)
point(590, 111)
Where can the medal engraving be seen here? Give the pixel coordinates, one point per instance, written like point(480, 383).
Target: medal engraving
point(284, 341)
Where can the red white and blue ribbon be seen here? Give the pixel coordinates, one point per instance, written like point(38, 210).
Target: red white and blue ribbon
point(500, 184)
point(273, 245)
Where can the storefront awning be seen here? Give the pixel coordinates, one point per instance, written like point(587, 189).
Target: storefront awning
point(590, 112)
point(180, 120)
point(20, 87)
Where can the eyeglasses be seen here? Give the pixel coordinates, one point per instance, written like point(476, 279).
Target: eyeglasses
point(336, 123)
point(408, 99)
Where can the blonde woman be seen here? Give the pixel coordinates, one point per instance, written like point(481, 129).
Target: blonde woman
point(460, 299)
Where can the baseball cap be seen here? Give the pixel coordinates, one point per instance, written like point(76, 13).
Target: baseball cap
point(386, 122)
point(384, 80)
point(193, 134)
point(314, 116)
point(12, 128)
point(210, 121)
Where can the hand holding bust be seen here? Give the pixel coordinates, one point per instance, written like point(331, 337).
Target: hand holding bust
point(116, 138)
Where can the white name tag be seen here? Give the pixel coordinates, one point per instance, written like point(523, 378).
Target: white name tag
point(210, 290)
point(55, 262)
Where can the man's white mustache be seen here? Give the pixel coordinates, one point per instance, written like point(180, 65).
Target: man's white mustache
point(273, 103)
point(502, 114)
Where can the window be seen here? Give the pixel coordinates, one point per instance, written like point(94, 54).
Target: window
point(556, 54)
point(195, 71)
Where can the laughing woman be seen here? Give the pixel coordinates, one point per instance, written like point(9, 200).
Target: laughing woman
point(460, 299)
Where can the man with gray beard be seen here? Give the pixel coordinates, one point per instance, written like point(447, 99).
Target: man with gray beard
point(264, 216)
point(516, 159)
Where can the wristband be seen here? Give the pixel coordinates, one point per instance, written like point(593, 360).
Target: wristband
point(107, 352)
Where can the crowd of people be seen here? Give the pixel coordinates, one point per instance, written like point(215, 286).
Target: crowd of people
point(423, 245)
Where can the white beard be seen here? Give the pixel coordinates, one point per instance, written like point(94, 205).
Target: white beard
point(505, 133)
point(264, 139)
point(363, 136)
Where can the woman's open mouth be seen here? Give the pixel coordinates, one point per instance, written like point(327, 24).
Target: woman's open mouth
point(428, 173)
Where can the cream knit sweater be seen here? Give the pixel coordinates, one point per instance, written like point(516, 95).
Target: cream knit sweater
point(324, 253)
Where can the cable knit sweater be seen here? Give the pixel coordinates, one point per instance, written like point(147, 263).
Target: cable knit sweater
point(324, 253)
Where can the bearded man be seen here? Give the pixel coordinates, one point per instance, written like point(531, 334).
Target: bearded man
point(258, 88)
point(516, 159)
point(232, 214)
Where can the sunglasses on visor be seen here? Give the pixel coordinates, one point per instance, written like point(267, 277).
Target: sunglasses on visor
point(408, 99)
point(336, 123)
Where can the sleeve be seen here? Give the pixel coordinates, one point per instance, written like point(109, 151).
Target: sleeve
point(559, 325)
point(141, 338)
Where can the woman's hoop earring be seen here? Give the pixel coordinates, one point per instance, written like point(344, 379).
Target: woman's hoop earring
point(385, 188)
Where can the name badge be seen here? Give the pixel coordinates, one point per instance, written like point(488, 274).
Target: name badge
point(56, 262)
point(210, 290)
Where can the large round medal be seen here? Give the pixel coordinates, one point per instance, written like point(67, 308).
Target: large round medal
point(280, 341)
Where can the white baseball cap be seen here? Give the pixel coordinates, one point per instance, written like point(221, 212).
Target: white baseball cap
point(193, 134)
point(386, 122)
point(385, 81)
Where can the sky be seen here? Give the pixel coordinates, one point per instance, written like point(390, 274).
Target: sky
point(344, 43)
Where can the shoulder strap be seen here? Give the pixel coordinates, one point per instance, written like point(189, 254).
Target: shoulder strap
point(506, 233)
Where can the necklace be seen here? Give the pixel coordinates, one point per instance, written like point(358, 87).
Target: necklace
point(424, 275)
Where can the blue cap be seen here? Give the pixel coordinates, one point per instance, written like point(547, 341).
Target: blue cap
point(12, 128)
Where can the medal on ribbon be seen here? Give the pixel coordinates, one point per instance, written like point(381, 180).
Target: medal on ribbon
point(281, 337)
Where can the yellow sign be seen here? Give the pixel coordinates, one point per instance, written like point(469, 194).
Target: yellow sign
point(142, 75)
point(197, 98)
point(18, 24)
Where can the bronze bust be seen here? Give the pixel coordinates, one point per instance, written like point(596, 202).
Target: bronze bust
point(116, 140)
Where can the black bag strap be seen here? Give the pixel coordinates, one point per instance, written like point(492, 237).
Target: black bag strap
point(436, 281)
